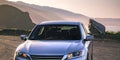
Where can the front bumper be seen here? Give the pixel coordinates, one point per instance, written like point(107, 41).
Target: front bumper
point(20, 58)
point(75, 58)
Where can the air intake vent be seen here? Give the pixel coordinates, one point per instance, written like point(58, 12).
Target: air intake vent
point(39, 57)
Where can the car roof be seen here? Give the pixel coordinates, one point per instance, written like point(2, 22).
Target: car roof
point(60, 22)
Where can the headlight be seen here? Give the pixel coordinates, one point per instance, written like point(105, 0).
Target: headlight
point(76, 54)
point(21, 54)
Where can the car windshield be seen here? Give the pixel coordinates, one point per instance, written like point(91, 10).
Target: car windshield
point(56, 32)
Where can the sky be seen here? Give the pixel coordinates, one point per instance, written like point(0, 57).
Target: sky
point(90, 8)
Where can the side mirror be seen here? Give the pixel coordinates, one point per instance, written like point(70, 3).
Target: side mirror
point(23, 37)
point(89, 37)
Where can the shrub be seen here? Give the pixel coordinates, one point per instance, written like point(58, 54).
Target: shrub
point(15, 32)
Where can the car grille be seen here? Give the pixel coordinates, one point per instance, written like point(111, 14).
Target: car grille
point(38, 57)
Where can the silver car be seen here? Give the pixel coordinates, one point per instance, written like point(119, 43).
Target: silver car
point(56, 41)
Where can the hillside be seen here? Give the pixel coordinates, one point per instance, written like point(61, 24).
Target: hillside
point(2, 1)
point(13, 18)
point(43, 13)
point(110, 24)
point(38, 14)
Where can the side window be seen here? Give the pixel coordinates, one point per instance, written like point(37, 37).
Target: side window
point(84, 29)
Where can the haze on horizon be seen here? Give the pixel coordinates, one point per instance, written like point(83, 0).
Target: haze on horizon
point(90, 8)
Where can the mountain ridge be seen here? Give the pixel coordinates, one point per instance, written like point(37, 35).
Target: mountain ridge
point(38, 14)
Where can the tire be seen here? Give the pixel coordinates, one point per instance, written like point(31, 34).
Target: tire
point(90, 55)
point(87, 56)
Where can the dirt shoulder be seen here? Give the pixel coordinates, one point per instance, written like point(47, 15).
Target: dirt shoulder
point(106, 50)
point(103, 49)
point(8, 45)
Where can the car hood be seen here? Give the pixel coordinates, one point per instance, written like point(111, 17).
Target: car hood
point(37, 47)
